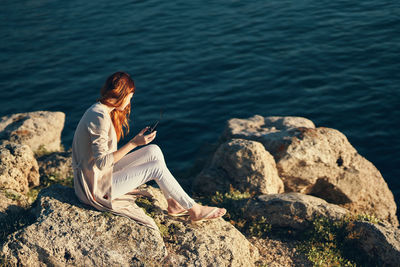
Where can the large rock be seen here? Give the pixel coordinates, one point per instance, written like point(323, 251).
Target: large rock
point(243, 164)
point(68, 233)
point(212, 243)
point(40, 130)
point(18, 168)
point(274, 132)
point(58, 164)
point(319, 161)
point(379, 241)
point(294, 210)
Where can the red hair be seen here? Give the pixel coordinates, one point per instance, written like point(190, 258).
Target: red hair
point(118, 86)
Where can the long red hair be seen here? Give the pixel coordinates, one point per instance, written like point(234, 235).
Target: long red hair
point(118, 86)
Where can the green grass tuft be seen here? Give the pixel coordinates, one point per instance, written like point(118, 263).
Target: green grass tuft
point(11, 195)
point(235, 212)
point(41, 151)
point(46, 181)
point(334, 243)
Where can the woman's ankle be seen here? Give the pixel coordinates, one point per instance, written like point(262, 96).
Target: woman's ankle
point(195, 209)
point(174, 205)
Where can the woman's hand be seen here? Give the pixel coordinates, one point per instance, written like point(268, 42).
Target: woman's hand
point(141, 139)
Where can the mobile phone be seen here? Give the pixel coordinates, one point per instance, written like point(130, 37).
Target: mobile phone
point(153, 127)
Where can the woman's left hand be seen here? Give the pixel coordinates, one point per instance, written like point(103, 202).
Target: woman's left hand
point(141, 139)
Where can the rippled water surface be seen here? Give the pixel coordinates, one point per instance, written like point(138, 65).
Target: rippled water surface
point(203, 62)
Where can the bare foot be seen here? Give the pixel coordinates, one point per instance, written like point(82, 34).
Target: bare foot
point(198, 212)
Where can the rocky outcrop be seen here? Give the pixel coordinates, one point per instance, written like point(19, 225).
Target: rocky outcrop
point(57, 164)
point(68, 233)
point(18, 168)
point(294, 210)
point(243, 164)
point(254, 154)
point(212, 243)
point(379, 241)
point(320, 162)
point(40, 130)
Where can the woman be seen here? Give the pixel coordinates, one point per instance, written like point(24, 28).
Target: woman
point(106, 177)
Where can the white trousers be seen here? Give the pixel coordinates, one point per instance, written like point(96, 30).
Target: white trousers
point(143, 165)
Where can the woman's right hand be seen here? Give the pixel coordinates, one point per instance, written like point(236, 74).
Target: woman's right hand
point(141, 139)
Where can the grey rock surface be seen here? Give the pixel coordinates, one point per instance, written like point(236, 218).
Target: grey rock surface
point(40, 130)
point(380, 241)
point(18, 168)
point(68, 233)
point(245, 165)
point(320, 162)
point(294, 210)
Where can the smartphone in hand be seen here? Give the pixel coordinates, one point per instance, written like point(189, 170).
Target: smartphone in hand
point(153, 127)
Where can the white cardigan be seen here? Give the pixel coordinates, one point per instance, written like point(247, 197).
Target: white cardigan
point(93, 145)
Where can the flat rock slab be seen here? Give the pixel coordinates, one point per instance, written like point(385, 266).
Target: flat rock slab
point(294, 210)
point(68, 233)
point(40, 130)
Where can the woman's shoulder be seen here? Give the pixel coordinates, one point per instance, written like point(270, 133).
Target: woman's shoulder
point(96, 108)
point(96, 112)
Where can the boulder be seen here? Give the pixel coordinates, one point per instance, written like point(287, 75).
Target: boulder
point(294, 210)
point(320, 162)
point(18, 168)
point(69, 233)
point(211, 243)
point(274, 132)
point(58, 164)
point(245, 165)
point(40, 130)
point(380, 241)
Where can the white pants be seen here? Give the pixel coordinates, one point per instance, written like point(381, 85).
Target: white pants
point(143, 165)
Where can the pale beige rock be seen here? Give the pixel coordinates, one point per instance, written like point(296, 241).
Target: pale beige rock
point(244, 164)
point(273, 132)
point(18, 168)
point(212, 243)
point(319, 161)
point(380, 241)
point(40, 130)
point(323, 163)
point(294, 210)
point(68, 233)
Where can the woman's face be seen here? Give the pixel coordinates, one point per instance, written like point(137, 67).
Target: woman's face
point(126, 102)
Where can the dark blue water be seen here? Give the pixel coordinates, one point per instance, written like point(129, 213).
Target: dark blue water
point(203, 62)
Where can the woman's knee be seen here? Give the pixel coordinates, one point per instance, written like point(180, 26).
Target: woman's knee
point(155, 150)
